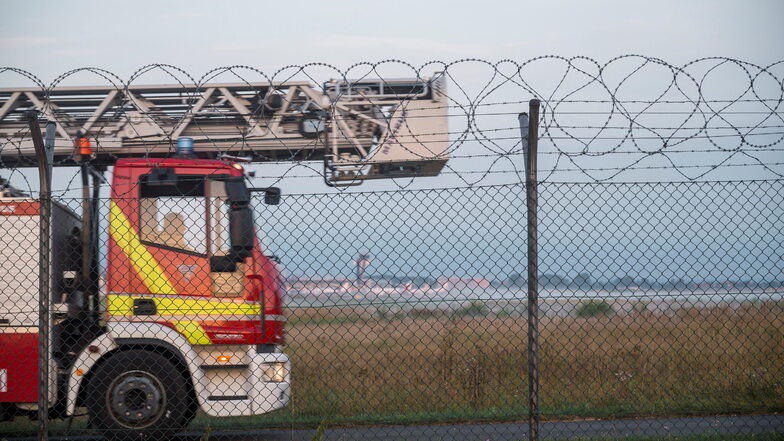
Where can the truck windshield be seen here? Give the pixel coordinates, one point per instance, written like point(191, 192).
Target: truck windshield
point(174, 216)
point(176, 222)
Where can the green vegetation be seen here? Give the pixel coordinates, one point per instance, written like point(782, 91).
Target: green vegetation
point(320, 430)
point(473, 309)
point(594, 308)
point(359, 370)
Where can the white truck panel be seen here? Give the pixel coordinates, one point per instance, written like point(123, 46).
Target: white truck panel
point(19, 270)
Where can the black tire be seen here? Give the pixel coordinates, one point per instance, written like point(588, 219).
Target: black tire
point(137, 395)
point(193, 408)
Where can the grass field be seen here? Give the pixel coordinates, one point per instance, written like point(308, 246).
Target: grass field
point(350, 369)
point(699, 360)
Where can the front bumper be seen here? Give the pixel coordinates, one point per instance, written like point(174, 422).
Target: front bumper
point(258, 387)
point(266, 393)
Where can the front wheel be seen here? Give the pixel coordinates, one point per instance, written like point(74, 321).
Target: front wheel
point(137, 395)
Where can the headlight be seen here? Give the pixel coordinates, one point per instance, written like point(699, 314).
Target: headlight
point(275, 372)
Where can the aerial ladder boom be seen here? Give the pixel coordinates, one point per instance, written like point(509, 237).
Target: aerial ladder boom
point(360, 129)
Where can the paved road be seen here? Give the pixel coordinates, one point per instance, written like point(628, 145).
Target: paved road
point(519, 431)
point(505, 431)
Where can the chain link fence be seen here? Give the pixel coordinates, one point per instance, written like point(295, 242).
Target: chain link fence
point(189, 297)
point(657, 300)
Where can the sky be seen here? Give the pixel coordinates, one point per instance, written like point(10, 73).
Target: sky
point(50, 38)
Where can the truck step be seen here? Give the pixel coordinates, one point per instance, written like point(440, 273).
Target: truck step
point(227, 398)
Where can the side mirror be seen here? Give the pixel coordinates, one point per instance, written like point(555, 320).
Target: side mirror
point(272, 196)
point(241, 232)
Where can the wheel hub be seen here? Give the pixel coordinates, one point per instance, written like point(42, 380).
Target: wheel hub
point(136, 399)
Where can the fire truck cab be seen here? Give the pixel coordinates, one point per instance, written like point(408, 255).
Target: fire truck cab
point(186, 315)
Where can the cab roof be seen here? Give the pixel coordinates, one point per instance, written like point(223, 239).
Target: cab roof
point(179, 162)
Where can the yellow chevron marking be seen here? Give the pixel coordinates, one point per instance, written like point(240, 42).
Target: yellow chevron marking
point(143, 262)
point(193, 332)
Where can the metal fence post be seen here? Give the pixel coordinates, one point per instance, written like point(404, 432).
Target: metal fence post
point(529, 127)
point(44, 154)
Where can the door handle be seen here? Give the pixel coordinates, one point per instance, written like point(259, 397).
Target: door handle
point(144, 307)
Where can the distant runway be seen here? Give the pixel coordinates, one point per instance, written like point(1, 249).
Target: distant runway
point(505, 431)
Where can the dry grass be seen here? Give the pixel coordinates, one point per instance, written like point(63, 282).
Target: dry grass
point(349, 368)
point(708, 360)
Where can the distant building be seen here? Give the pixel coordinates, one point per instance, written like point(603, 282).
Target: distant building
point(460, 283)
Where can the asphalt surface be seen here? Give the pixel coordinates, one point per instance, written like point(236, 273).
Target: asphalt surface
point(502, 431)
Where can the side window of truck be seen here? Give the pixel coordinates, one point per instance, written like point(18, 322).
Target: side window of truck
point(174, 216)
point(224, 284)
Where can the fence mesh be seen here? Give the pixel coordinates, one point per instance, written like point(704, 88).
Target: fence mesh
point(182, 302)
point(657, 300)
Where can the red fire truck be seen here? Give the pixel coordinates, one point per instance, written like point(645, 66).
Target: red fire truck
point(188, 315)
point(171, 306)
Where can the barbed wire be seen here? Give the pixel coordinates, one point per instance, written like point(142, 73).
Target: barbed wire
point(622, 112)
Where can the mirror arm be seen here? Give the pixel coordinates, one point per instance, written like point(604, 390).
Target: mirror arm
point(271, 194)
